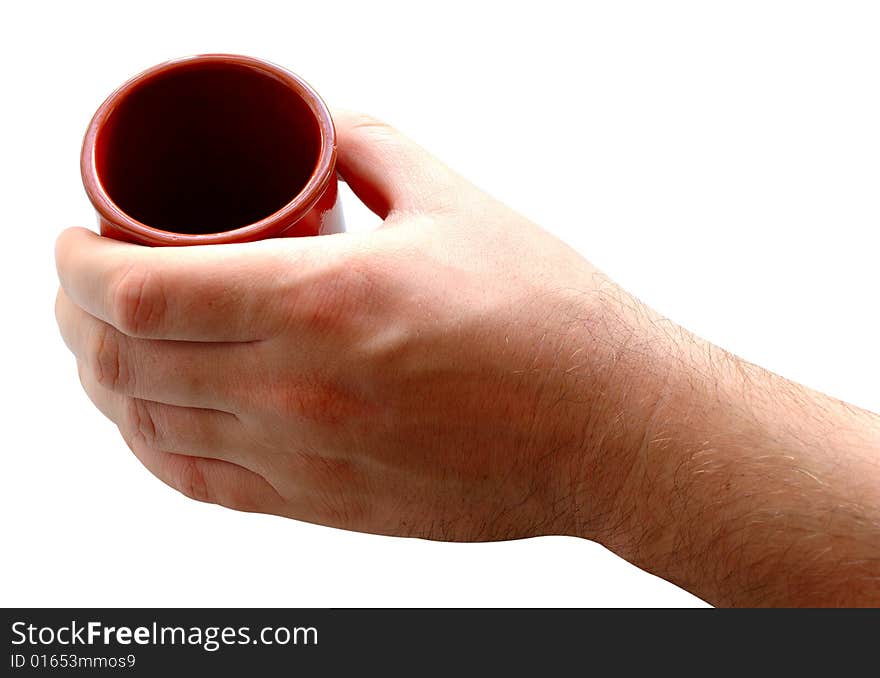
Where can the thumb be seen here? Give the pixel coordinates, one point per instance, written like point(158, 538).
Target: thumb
point(388, 171)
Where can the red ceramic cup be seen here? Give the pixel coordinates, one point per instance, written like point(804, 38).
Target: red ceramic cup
point(216, 148)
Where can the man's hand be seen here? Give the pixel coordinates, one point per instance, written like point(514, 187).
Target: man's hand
point(426, 379)
point(461, 374)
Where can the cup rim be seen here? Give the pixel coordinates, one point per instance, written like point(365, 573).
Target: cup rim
point(266, 227)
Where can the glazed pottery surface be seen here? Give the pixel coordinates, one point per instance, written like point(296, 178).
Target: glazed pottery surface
point(214, 148)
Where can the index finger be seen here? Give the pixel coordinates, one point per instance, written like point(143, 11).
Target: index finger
point(199, 293)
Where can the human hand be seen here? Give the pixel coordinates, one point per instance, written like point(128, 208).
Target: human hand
point(460, 374)
point(452, 375)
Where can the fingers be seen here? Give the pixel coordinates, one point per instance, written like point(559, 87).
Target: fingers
point(204, 454)
point(386, 170)
point(181, 430)
point(179, 373)
point(212, 481)
point(205, 293)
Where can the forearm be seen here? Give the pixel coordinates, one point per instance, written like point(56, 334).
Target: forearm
point(739, 485)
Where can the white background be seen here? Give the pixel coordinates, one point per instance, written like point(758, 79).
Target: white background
point(720, 160)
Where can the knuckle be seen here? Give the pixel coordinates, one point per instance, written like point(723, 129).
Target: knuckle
point(360, 272)
point(138, 301)
point(188, 475)
point(318, 401)
point(105, 356)
point(348, 289)
point(141, 423)
point(195, 481)
point(192, 482)
point(364, 121)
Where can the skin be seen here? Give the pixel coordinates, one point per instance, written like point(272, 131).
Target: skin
point(460, 374)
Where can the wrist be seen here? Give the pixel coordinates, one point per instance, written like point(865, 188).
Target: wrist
point(654, 394)
point(629, 364)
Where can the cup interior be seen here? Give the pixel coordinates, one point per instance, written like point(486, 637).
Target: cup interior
point(207, 147)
